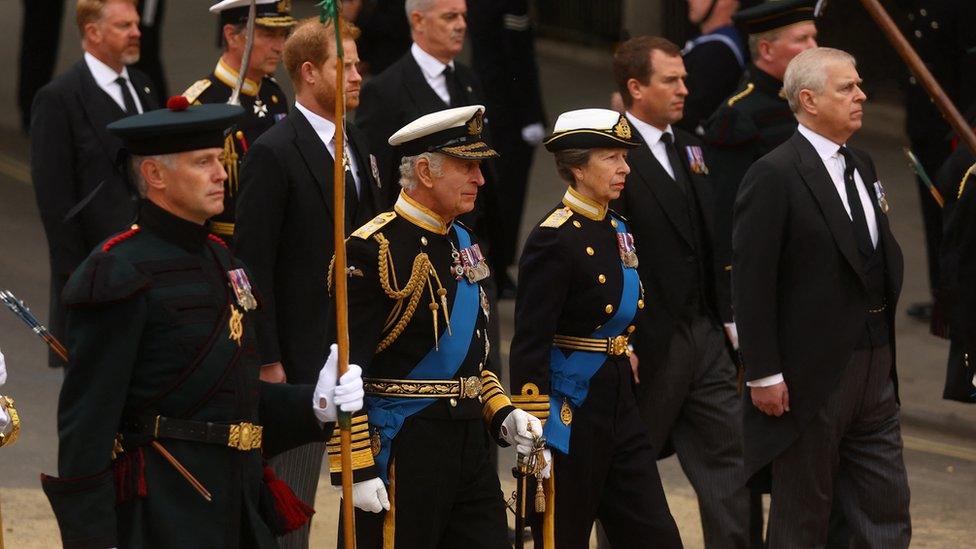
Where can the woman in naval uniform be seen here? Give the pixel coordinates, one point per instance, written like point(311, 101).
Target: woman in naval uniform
point(570, 358)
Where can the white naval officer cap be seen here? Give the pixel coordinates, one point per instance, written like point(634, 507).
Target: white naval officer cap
point(455, 132)
point(268, 13)
point(590, 129)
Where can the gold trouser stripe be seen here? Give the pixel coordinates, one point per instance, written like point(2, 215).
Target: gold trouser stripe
point(549, 517)
point(389, 522)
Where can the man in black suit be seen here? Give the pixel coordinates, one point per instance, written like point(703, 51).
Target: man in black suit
point(284, 224)
point(686, 381)
point(816, 278)
point(82, 194)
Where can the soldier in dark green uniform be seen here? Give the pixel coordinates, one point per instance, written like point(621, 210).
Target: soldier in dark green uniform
point(754, 120)
point(418, 321)
point(162, 421)
point(571, 364)
point(263, 101)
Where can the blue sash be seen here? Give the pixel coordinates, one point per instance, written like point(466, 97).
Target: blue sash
point(387, 414)
point(570, 375)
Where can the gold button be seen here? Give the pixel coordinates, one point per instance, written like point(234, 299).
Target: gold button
point(613, 223)
point(609, 308)
point(602, 279)
point(478, 333)
point(630, 329)
point(453, 403)
point(577, 224)
point(423, 240)
point(589, 250)
point(274, 99)
point(640, 303)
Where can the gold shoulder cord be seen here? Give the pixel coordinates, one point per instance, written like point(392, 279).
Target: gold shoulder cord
point(965, 177)
point(11, 437)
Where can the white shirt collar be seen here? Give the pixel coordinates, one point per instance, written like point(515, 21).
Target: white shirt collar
point(826, 148)
point(429, 65)
point(102, 73)
point(649, 133)
point(324, 128)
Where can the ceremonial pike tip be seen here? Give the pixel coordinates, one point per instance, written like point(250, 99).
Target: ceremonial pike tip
point(177, 103)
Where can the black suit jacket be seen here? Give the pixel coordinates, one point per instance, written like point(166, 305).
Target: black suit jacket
point(74, 159)
point(397, 96)
point(798, 290)
point(284, 234)
point(658, 214)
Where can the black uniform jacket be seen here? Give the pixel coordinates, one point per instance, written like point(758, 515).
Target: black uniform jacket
point(387, 340)
point(747, 126)
point(284, 234)
point(264, 104)
point(799, 294)
point(74, 160)
point(673, 249)
point(149, 335)
point(570, 284)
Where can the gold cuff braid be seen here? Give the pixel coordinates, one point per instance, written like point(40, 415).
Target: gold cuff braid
point(8, 404)
point(493, 397)
point(362, 446)
point(532, 402)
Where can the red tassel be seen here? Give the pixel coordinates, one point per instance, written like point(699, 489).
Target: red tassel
point(142, 490)
point(293, 512)
point(130, 476)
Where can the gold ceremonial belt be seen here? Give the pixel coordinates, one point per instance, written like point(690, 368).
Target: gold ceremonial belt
point(465, 387)
point(613, 346)
point(242, 436)
point(222, 228)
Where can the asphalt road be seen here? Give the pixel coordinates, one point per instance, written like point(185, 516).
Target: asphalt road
point(940, 436)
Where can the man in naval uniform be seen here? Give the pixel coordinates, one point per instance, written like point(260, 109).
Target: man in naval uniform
point(263, 101)
point(418, 320)
point(163, 424)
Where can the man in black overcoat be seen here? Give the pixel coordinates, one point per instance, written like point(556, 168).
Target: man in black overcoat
point(81, 192)
point(816, 274)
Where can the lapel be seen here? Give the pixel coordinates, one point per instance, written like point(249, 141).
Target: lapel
point(814, 174)
point(699, 183)
point(317, 158)
point(415, 87)
point(886, 238)
point(672, 200)
point(370, 187)
point(100, 110)
point(144, 88)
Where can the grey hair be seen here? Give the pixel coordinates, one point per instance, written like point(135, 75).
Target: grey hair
point(135, 162)
point(755, 39)
point(568, 159)
point(408, 168)
point(423, 6)
point(807, 72)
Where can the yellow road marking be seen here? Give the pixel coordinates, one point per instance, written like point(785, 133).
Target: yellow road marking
point(15, 169)
point(939, 448)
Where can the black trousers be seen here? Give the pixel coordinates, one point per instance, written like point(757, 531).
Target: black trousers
point(444, 491)
point(610, 473)
point(850, 454)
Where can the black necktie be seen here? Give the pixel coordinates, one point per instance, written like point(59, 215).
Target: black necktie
point(352, 196)
point(127, 99)
point(858, 220)
point(676, 166)
point(453, 87)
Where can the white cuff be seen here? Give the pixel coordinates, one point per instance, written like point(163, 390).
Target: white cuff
point(766, 381)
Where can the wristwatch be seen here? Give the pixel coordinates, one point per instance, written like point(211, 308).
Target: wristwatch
point(11, 437)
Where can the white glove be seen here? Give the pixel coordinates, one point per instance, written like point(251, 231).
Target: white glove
point(370, 495)
point(348, 395)
point(520, 429)
point(533, 133)
point(733, 334)
point(4, 420)
point(3, 370)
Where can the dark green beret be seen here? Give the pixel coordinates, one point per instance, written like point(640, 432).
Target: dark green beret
point(774, 14)
point(177, 128)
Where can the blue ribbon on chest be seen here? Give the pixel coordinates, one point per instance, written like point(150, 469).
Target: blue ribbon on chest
point(570, 375)
point(387, 414)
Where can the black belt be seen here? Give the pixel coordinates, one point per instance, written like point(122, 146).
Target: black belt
point(242, 436)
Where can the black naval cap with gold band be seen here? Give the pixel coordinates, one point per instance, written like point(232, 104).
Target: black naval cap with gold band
point(268, 13)
point(177, 128)
point(590, 129)
point(774, 14)
point(455, 132)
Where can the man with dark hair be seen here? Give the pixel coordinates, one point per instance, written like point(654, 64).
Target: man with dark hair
point(816, 278)
point(263, 101)
point(284, 224)
point(81, 193)
point(686, 381)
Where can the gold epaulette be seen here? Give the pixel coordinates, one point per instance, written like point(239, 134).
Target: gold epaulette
point(493, 397)
point(363, 446)
point(194, 91)
point(965, 177)
point(749, 87)
point(374, 225)
point(11, 437)
point(532, 402)
point(557, 218)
